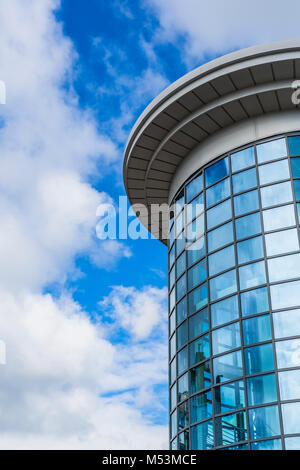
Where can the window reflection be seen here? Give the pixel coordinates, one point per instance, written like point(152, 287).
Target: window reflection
point(201, 407)
point(294, 145)
point(228, 367)
point(219, 214)
point(282, 242)
point(261, 389)
point(202, 436)
point(279, 217)
point(224, 311)
point(273, 172)
point(194, 188)
point(257, 329)
point(259, 359)
point(252, 275)
point(230, 429)
point(264, 422)
point(217, 171)
point(248, 226)
point(271, 150)
point(286, 323)
point(218, 192)
point(229, 397)
point(220, 236)
point(226, 338)
point(221, 261)
point(242, 159)
point(289, 383)
point(247, 202)
point(223, 285)
point(285, 267)
point(199, 350)
point(290, 416)
point(243, 181)
point(276, 194)
point(288, 353)
point(198, 323)
point(255, 301)
point(200, 377)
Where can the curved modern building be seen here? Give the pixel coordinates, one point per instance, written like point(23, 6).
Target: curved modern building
point(221, 146)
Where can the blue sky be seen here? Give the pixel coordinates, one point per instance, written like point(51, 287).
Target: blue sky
point(85, 321)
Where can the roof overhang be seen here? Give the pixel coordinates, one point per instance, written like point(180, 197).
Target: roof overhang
point(233, 88)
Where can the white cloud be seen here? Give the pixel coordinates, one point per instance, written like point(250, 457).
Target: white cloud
point(59, 367)
point(217, 26)
point(138, 311)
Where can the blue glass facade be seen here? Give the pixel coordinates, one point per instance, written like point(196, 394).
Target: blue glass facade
point(234, 283)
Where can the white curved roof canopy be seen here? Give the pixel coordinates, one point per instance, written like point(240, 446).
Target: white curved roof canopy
point(242, 85)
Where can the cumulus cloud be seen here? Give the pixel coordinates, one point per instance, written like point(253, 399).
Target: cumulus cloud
point(139, 312)
point(66, 386)
point(216, 27)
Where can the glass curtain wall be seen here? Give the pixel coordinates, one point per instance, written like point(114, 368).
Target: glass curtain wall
point(234, 302)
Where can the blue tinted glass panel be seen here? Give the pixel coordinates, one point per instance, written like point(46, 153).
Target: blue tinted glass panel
point(172, 346)
point(179, 203)
point(195, 229)
point(217, 171)
point(226, 338)
point(196, 251)
point(180, 265)
point(194, 208)
point(182, 335)
point(172, 277)
point(283, 268)
point(222, 260)
point(271, 150)
point(297, 189)
point(197, 299)
point(225, 311)
point(242, 159)
point(292, 443)
point(197, 274)
point(245, 180)
point(228, 367)
point(198, 323)
point(229, 397)
point(279, 217)
point(171, 236)
point(294, 145)
point(264, 422)
point(273, 172)
point(202, 436)
point(257, 329)
point(271, 444)
point(181, 311)
point(289, 383)
point(252, 275)
point(286, 323)
point(171, 257)
point(173, 400)
point(285, 295)
point(172, 300)
point(261, 389)
point(180, 243)
point(200, 377)
point(218, 192)
point(219, 214)
point(182, 388)
point(172, 323)
point(295, 163)
point(201, 407)
point(298, 211)
point(259, 359)
point(287, 353)
point(250, 250)
point(220, 237)
point(183, 415)
point(183, 441)
point(223, 285)
point(282, 242)
point(255, 301)
point(173, 372)
point(290, 416)
point(247, 202)
point(173, 424)
point(231, 429)
point(182, 361)
point(194, 188)
point(181, 287)
point(276, 194)
point(248, 226)
point(199, 350)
